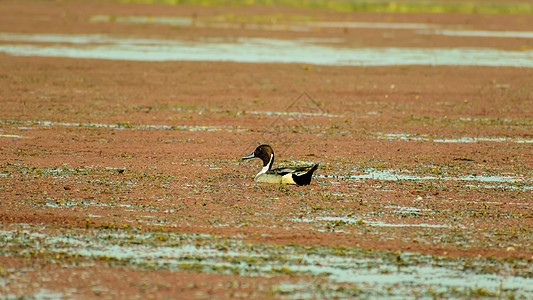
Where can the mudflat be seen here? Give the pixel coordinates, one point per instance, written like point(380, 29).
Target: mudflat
point(121, 177)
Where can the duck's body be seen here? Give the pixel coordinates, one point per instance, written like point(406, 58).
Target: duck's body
point(290, 175)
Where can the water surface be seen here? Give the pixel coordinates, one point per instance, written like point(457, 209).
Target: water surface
point(399, 276)
point(250, 50)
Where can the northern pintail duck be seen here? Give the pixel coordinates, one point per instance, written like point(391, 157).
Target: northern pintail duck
point(294, 175)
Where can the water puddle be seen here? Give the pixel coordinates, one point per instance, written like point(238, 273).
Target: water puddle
point(49, 294)
point(409, 210)
point(217, 23)
point(293, 114)
point(394, 175)
point(127, 125)
point(424, 137)
point(349, 220)
point(384, 224)
point(397, 275)
point(15, 136)
point(482, 33)
point(250, 50)
point(499, 182)
point(482, 139)
point(63, 203)
point(402, 137)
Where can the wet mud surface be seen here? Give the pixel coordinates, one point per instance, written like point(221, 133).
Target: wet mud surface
point(123, 179)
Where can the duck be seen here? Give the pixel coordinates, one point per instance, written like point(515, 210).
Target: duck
point(289, 175)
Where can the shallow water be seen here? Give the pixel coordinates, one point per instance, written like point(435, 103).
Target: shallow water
point(482, 139)
point(293, 114)
point(394, 175)
point(424, 137)
point(14, 136)
point(369, 222)
point(422, 28)
point(501, 182)
point(127, 126)
point(482, 33)
point(370, 271)
point(250, 50)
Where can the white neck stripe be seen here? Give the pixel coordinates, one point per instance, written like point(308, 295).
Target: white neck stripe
point(267, 167)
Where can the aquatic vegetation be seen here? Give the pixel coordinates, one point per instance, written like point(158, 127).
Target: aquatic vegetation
point(400, 6)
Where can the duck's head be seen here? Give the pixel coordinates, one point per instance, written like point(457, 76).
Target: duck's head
point(265, 153)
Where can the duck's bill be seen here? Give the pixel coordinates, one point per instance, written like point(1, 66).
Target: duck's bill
point(249, 156)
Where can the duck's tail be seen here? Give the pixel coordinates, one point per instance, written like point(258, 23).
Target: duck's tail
point(304, 178)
